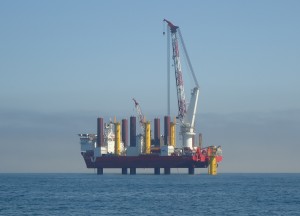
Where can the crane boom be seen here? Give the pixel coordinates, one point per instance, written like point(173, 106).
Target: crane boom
point(178, 71)
point(140, 115)
point(186, 115)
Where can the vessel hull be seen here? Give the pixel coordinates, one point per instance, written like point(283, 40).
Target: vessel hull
point(143, 161)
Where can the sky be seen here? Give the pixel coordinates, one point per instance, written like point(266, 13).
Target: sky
point(65, 63)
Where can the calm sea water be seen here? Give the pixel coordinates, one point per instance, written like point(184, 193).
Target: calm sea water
point(175, 194)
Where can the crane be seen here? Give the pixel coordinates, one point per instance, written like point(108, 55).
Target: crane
point(140, 116)
point(186, 115)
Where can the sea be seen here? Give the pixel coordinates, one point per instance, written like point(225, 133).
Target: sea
point(148, 194)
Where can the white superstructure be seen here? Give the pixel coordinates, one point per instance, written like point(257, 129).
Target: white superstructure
point(88, 142)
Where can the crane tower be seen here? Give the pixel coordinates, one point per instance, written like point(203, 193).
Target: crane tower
point(186, 115)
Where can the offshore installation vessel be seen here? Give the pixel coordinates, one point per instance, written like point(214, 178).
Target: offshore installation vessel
point(109, 148)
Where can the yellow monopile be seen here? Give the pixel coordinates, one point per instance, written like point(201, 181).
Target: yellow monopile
point(173, 134)
point(147, 137)
point(212, 169)
point(117, 138)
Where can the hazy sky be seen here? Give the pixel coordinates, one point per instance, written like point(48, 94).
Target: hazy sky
point(64, 63)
